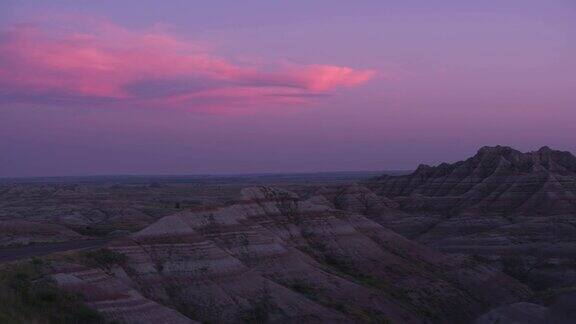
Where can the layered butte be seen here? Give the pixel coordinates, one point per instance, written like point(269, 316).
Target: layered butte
point(273, 257)
point(518, 207)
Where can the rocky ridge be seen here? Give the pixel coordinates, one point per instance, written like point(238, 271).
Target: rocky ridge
point(273, 257)
point(503, 205)
point(495, 180)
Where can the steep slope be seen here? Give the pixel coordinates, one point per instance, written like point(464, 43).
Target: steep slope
point(272, 257)
point(111, 297)
point(358, 199)
point(499, 203)
point(497, 179)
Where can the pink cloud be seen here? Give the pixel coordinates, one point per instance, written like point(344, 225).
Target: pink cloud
point(327, 77)
point(107, 62)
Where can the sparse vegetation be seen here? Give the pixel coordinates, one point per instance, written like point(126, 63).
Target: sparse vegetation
point(304, 288)
point(103, 258)
point(523, 269)
point(95, 231)
point(28, 295)
point(546, 297)
point(261, 309)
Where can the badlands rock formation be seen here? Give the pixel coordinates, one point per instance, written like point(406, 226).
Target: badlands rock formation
point(106, 206)
point(115, 299)
point(274, 258)
point(500, 202)
point(561, 311)
point(100, 208)
point(495, 180)
point(20, 232)
point(85, 209)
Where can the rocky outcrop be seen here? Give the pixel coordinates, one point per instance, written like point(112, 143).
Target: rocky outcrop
point(272, 257)
point(500, 203)
point(20, 232)
point(561, 311)
point(354, 198)
point(111, 297)
point(98, 208)
point(361, 200)
point(495, 180)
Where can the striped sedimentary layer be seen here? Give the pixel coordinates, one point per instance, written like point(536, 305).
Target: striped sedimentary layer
point(272, 257)
point(497, 179)
point(112, 297)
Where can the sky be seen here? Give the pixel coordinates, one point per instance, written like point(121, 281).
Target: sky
point(221, 87)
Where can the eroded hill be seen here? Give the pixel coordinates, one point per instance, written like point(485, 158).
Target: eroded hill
point(272, 257)
point(501, 204)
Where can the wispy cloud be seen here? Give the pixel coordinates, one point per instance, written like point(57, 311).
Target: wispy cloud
point(102, 63)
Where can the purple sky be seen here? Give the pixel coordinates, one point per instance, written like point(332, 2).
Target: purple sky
point(190, 87)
